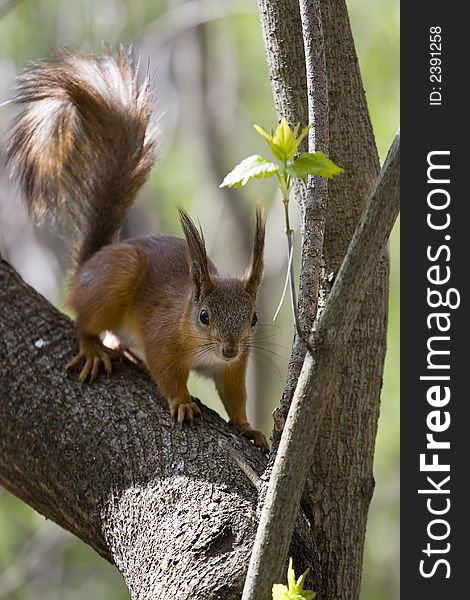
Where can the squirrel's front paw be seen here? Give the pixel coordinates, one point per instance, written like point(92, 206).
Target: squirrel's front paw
point(184, 411)
point(258, 437)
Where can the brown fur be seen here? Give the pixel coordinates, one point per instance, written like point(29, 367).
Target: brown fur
point(150, 291)
point(197, 256)
point(83, 143)
point(255, 272)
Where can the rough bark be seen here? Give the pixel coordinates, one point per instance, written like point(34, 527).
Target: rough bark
point(173, 508)
point(340, 484)
point(315, 389)
point(282, 32)
point(314, 203)
point(342, 470)
point(300, 95)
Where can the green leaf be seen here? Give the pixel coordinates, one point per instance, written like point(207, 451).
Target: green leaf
point(303, 133)
point(308, 595)
point(291, 576)
point(265, 134)
point(295, 590)
point(301, 579)
point(284, 144)
point(276, 149)
point(280, 592)
point(253, 167)
point(314, 163)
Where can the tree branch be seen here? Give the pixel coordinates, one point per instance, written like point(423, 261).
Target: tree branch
point(315, 194)
point(284, 47)
point(314, 211)
point(169, 506)
point(298, 78)
point(314, 386)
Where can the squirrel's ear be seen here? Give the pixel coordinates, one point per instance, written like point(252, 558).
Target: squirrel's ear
point(196, 255)
point(255, 271)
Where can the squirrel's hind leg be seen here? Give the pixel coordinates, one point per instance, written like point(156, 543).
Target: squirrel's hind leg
point(102, 291)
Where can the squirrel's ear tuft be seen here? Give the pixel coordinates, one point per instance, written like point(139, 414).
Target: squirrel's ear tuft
point(197, 256)
point(255, 271)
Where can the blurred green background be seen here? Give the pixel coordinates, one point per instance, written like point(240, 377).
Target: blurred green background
point(211, 85)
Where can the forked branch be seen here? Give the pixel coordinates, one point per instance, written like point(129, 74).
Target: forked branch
point(312, 393)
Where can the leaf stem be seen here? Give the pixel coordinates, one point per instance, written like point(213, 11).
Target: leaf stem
point(286, 283)
point(293, 293)
point(285, 187)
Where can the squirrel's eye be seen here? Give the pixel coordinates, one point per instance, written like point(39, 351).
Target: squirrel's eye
point(254, 319)
point(204, 316)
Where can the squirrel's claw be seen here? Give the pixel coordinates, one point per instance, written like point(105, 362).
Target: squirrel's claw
point(95, 356)
point(184, 411)
point(258, 437)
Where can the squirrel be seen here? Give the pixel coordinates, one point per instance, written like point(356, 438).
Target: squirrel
point(81, 147)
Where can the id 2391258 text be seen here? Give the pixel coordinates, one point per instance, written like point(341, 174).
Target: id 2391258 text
point(435, 65)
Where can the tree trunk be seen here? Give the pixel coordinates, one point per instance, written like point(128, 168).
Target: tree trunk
point(285, 56)
point(340, 485)
point(342, 471)
point(173, 508)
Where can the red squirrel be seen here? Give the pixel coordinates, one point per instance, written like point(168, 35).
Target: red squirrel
point(81, 148)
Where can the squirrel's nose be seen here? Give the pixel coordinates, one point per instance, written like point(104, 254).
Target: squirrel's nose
point(229, 351)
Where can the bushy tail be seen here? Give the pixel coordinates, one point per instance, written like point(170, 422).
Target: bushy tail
point(84, 142)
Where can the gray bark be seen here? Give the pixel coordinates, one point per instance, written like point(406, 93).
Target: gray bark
point(340, 484)
point(283, 41)
point(341, 477)
point(173, 508)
